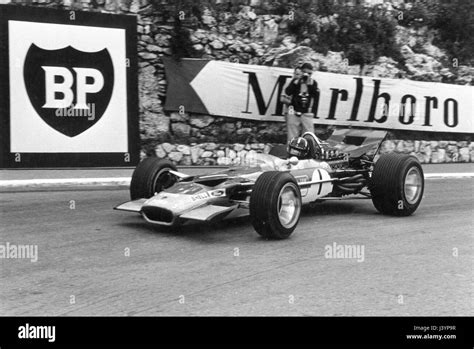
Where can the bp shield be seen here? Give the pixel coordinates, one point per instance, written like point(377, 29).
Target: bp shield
point(68, 88)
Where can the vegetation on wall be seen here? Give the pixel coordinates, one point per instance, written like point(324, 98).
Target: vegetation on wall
point(455, 25)
point(180, 43)
point(363, 33)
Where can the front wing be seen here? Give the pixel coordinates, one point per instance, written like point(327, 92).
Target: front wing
point(202, 213)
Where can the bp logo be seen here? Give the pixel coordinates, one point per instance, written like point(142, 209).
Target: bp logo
point(68, 88)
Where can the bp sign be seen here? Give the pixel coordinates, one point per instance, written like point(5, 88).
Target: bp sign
point(68, 88)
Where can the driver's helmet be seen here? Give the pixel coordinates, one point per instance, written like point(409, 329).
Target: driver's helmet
point(298, 147)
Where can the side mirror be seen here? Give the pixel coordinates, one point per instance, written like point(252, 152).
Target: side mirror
point(293, 161)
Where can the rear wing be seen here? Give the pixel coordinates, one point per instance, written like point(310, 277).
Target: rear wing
point(356, 142)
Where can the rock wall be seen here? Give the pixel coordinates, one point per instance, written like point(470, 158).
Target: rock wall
point(432, 151)
point(246, 37)
point(210, 153)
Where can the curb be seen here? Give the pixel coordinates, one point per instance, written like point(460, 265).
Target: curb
point(65, 182)
point(72, 183)
point(449, 175)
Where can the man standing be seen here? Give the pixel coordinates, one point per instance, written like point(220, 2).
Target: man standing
point(303, 93)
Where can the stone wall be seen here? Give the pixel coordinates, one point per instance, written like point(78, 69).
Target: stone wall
point(432, 151)
point(246, 37)
point(210, 153)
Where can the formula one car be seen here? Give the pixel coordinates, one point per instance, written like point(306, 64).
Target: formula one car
point(272, 188)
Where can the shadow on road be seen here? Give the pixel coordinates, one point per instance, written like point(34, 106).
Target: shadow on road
point(202, 232)
point(336, 207)
point(223, 230)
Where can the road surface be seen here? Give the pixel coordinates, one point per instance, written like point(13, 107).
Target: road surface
point(95, 261)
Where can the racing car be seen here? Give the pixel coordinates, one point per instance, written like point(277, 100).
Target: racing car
point(271, 188)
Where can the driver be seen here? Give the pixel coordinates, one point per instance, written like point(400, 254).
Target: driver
point(301, 148)
point(298, 147)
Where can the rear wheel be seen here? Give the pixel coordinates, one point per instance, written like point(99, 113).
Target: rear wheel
point(151, 176)
point(397, 184)
point(275, 205)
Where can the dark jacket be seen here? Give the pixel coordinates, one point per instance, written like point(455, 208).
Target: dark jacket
point(302, 104)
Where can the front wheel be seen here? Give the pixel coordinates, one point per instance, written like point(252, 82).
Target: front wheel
point(275, 205)
point(397, 184)
point(151, 176)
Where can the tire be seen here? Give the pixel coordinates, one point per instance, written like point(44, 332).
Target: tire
point(397, 184)
point(279, 151)
point(265, 201)
point(151, 176)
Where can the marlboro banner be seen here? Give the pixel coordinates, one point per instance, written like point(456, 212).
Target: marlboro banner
point(253, 92)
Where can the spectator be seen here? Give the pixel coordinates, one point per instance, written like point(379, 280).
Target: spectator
point(303, 93)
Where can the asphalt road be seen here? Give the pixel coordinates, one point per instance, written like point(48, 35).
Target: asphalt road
point(409, 265)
